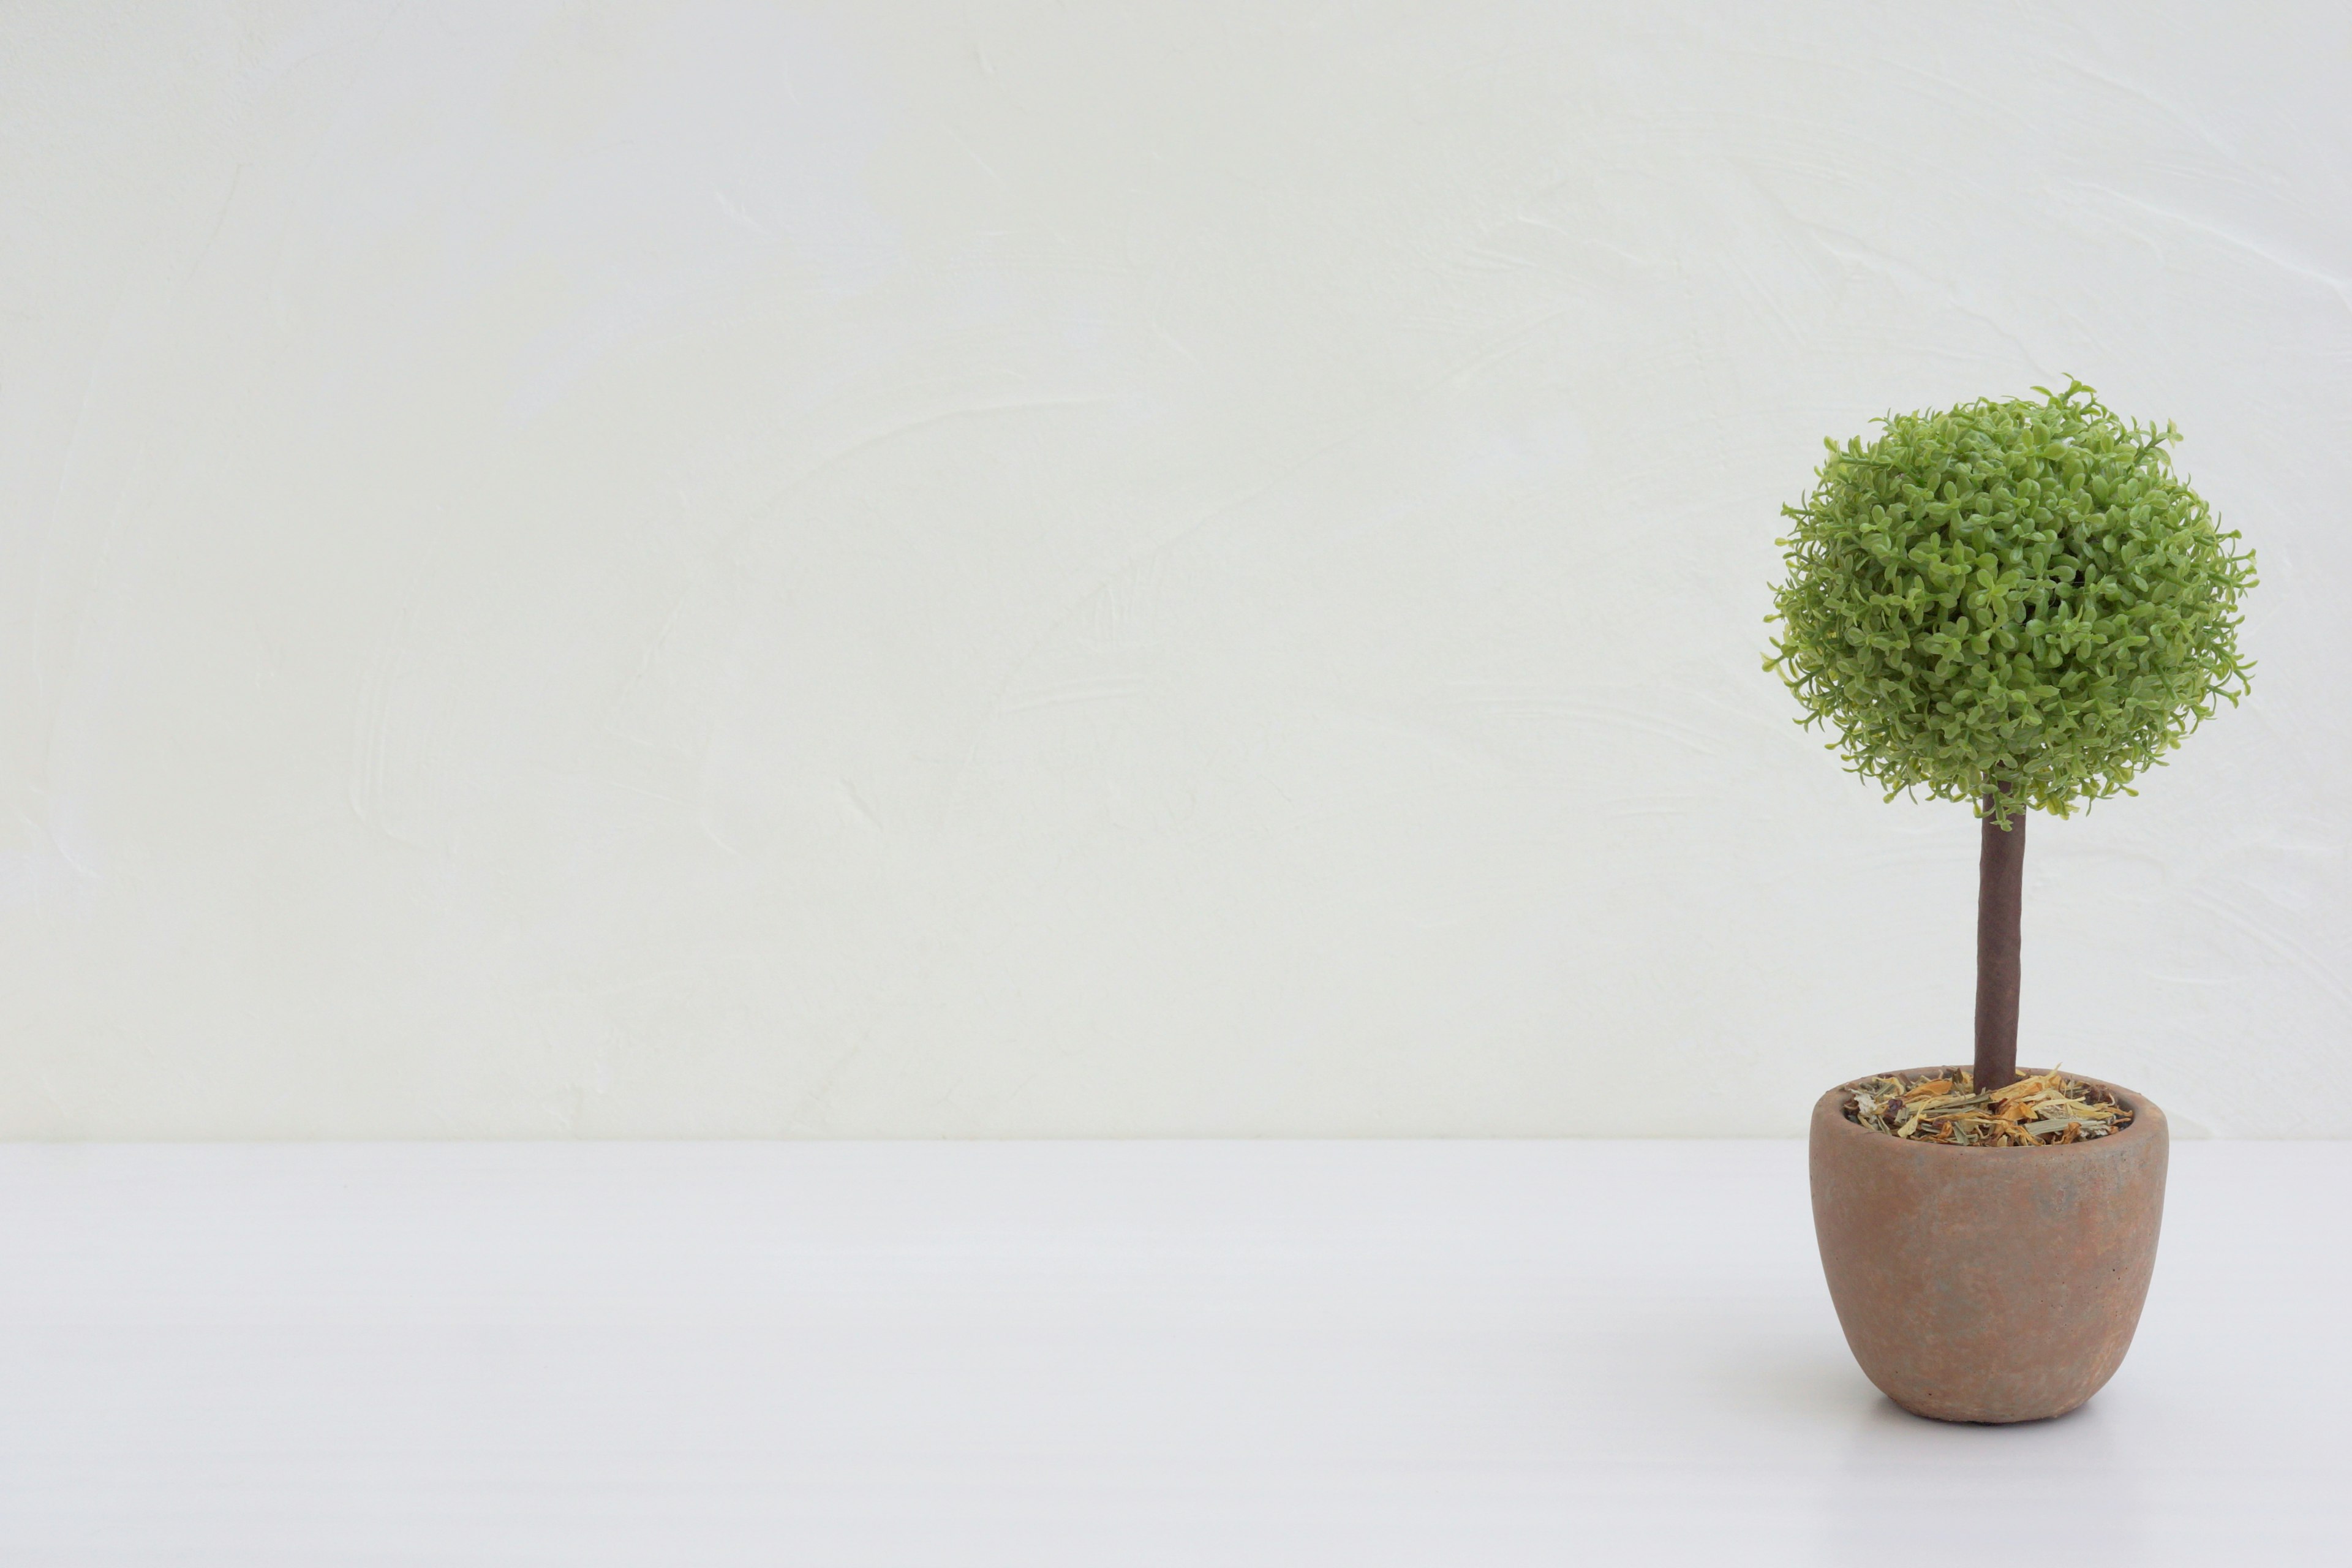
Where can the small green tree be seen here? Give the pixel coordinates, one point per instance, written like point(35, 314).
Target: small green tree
point(2015, 603)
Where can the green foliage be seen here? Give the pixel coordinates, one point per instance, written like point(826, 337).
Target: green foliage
point(2011, 597)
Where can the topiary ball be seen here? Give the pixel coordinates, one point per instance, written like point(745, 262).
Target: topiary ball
point(2011, 598)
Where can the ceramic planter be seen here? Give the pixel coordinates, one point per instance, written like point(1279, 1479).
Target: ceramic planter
point(1987, 1284)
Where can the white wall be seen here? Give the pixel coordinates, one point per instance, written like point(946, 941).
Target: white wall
point(1035, 569)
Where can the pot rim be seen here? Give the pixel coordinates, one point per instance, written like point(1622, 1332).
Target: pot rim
point(2147, 1121)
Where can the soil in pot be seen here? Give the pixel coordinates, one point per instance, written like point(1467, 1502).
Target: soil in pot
point(1942, 1106)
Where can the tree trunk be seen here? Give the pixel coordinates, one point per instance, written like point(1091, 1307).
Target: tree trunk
point(2001, 887)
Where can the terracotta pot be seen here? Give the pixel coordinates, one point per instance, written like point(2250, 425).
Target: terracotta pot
point(1987, 1284)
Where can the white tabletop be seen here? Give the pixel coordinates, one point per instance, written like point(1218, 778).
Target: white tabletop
point(1095, 1354)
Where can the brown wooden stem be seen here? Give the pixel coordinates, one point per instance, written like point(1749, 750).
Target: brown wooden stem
point(2001, 891)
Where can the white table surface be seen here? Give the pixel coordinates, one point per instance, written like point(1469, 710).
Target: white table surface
point(1096, 1354)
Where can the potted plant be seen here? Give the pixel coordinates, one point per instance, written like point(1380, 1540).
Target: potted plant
point(2017, 605)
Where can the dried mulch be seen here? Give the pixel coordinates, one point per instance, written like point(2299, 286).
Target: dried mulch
point(1944, 1107)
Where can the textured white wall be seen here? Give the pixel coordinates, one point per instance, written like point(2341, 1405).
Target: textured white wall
point(1024, 568)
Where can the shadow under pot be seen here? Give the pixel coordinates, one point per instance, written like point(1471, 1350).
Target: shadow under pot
point(1990, 1285)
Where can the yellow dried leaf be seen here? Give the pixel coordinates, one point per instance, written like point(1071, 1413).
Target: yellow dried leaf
point(2024, 1088)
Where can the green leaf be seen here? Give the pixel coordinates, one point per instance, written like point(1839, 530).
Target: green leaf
point(2074, 613)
